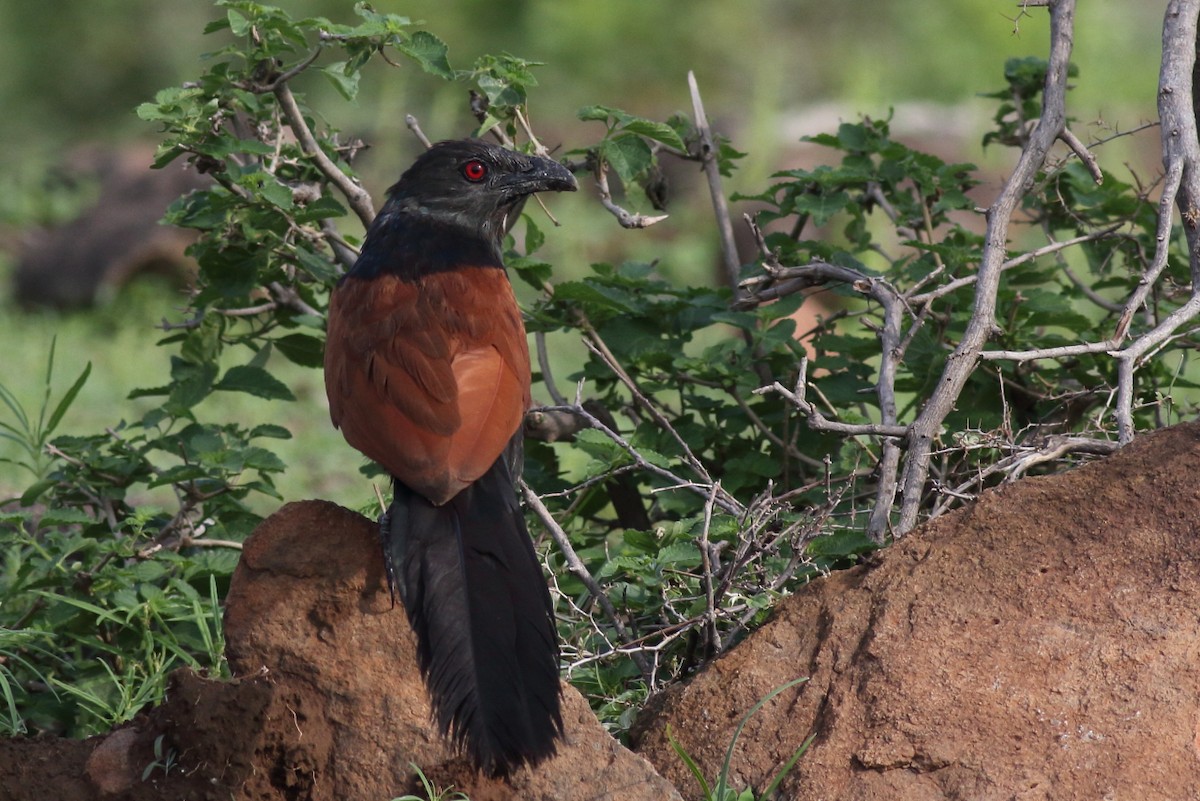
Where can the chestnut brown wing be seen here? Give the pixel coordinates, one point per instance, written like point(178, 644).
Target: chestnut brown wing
point(430, 377)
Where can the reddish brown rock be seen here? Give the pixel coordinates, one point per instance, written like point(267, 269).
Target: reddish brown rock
point(310, 605)
point(1041, 644)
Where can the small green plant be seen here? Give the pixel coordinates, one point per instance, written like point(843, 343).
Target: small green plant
point(164, 759)
point(15, 669)
point(431, 790)
point(31, 433)
point(721, 791)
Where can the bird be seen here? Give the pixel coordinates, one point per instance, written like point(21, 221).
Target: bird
point(427, 373)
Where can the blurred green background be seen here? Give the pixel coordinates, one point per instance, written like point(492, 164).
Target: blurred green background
point(771, 71)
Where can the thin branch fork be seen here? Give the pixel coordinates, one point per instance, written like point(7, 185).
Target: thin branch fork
point(1177, 103)
point(626, 218)
point(819, 422)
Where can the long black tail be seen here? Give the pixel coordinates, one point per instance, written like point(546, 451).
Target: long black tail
point(486, 642)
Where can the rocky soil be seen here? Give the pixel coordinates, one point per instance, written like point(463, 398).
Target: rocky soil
point(1041, 644)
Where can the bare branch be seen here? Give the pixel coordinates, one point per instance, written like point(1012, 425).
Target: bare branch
point(413, 125)
point(576, 566)
point(712, 171)
point(1080, 149)
point(626, 218)
point(961, 363)
point(819, 422)
point(356, 196)
point(1015, 261)
point(1177, 102)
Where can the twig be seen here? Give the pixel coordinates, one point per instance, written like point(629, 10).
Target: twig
point(1059, 352)
point(726, 501)
point(543, 358)
point(594, 343)
point(411, 122)
point(1080, 149)
point(356, 196)
point(577, 567)
point(819, 422)
point(627, 219)
point(296, 70)
point(345, 254)
point(1016, 261)
point(961, 363)
point(706, 562)
point(289, 297)
point(712, 171)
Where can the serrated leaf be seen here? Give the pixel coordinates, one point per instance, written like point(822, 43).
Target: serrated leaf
point(276, 193)
point(322, 208)
point(254, 381)
point(430, 52)
point(658, 131)
point(681, 554)
point(628, 155)
point(316, 266)
point(345, 82)
point(64, 517)
point(270, 430)
point(303, 349)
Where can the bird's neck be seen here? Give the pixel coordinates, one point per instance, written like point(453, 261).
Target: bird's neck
point(411, 245)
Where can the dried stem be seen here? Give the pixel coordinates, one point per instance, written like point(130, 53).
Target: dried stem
point(962, 361)
point(576, 566)
point(356, 196)
point(712, 171)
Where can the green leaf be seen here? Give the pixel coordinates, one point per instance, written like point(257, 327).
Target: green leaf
point(628, 155)
point(534, 238)
point(190, 383)
point(658, 131)
point(595, 113)
point(343, 79)
point(303, 349)
point(254, 381)
point(430, 52)
point(315, 265)
point(680, 554)
point(65, 403)
point(238, 24)
point(270, 430)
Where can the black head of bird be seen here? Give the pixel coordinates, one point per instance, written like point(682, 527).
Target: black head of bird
point(475, 185)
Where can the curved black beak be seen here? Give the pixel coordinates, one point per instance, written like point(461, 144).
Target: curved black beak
point(542, 175)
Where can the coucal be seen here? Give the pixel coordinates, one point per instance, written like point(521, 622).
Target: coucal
point(427, 373)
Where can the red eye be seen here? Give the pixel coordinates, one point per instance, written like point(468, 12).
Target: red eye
point(474, 171)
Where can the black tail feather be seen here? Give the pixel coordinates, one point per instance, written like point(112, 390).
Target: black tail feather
point(486, 642)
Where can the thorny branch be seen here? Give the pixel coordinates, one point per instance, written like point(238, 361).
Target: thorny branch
point(576, 566)
point(712, 171)
point(961, 363)
point(626, 218)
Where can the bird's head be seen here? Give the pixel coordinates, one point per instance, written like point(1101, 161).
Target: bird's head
point(475, 185)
